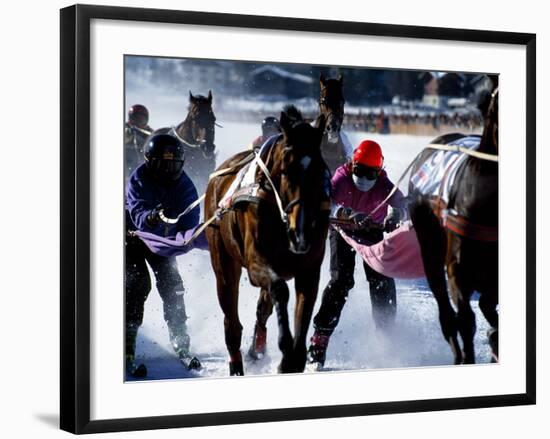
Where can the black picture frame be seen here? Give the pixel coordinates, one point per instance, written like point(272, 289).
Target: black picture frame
point(75, 217)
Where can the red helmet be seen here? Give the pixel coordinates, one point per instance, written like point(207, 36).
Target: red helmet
point(138, 114)
point(369, 153)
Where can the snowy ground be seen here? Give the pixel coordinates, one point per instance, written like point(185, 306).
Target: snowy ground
point(356, 344)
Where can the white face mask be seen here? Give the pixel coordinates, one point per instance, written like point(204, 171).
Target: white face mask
point(362, 183)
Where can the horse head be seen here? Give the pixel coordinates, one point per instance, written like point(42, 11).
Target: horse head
point(202, 121)
point(301, 176)
point(331, 105)
point(488, 105)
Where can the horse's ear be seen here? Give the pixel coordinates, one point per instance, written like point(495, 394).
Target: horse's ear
point(191, 97)
point(210, 96)
point(322, 79)
point(321, 123)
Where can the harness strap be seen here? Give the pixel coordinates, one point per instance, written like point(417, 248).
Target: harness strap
point(219, 172)
point(395, 186)
point(199, 230)
point(199, 200)
point(267, 174)
point(185, 212)
point(461, 226)
point(462, 149)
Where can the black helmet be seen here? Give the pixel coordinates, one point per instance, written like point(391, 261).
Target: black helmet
point(138, 115)
point(164, 156)
point(270, 126)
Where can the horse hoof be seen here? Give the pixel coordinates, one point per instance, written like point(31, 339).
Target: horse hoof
point(287, 367)
point(236, 369)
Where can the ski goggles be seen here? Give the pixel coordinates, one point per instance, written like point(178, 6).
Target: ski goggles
point(363, 171)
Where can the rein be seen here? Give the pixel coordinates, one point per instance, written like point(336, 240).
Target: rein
point(263, 167)
point(220, 211)
point(182, 140)
point(254, 156)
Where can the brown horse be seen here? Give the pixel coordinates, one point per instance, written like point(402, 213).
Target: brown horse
point(197, 133)
point(463, 242)
point(274, 242)
point(331, 105)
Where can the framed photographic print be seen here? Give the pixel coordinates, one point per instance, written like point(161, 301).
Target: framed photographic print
point(277, 218)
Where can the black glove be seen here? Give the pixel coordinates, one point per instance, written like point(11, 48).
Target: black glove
point(393, 218)
point(154, 216)
point(347, 213)
point(360, 219)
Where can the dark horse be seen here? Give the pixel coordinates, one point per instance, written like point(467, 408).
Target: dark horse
point(274, 244)
point(197, 134)
point(331, 105)
point(465, 245)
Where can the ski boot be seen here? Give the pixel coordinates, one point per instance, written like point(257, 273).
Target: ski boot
point(180, 342)
point(133, 369)
point(257, 348)
point(317, 351)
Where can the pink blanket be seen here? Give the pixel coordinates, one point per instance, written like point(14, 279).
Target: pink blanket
point(397, 256)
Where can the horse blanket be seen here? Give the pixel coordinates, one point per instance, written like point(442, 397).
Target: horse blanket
point(436, 175)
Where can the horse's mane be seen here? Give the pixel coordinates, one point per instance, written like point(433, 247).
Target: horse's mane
point(293, 114)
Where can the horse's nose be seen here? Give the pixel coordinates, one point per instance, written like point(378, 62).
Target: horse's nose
point(298, 243)
point(297, 236)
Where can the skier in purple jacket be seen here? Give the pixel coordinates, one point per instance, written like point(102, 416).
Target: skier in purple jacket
point(358, 187)
point(158, 185)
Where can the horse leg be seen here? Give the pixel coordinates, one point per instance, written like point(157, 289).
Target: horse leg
point(459, 273)
point(307, 286)
point(263, 311)
point(433, 244)
point(488, 302)
point(279, 294)
point(228, 274)
point(465, 317)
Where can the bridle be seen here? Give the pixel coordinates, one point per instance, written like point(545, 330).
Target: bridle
point(192, 120)
point(283, 210)
point(332, 113)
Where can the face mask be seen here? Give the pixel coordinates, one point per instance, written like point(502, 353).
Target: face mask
point(362, 183)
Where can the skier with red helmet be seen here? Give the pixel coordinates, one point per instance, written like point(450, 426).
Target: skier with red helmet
point(136, 132)
point(358, 188)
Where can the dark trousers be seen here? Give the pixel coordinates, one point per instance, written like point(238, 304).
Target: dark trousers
point(138, 285)
point(342, 267)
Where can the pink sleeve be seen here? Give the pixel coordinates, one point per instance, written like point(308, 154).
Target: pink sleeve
point(338, 184)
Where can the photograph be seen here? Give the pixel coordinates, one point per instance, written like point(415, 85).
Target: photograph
point(295, 218)
point(277, 218)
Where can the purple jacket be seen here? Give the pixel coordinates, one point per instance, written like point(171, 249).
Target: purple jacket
point(143, 194)
point(344, 193)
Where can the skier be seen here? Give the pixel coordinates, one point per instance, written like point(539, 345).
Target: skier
point(270, 127)
point(358, 187)
point(136, 131)
point(157, 187)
